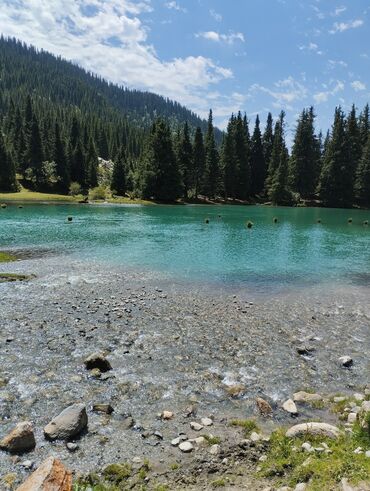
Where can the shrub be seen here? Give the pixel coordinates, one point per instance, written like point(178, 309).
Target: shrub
point(75, 189)
point(100, 192)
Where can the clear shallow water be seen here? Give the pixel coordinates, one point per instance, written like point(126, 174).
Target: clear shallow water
point(177, 241)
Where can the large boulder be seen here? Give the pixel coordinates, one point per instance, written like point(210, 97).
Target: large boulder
point(68, 423)
point(306, 397)
point(50, 476)
point(20, 439)
point(314, 429)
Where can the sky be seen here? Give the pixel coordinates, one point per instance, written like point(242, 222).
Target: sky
point(250, 55)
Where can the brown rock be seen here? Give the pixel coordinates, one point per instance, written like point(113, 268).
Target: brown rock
point(20, 439)
point(97, 360)
point(68, 423)
point(50, 476)
point(236, 390)
point(264, 407)
point(103, 408)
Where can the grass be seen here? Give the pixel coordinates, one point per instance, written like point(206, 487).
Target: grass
point(212, 440)
point(8, 277)
point(218, 483)
point(5, 257)
point(249, 425)
point(319, 470)
point(27, 195)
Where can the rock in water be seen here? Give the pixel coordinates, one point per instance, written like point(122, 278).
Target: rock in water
point(306, 397)
point(68, 423)
point(263, 406)
point(314, 429)
point(346, 361)
point(20, 439)
point(50, 476)
point(97, 360)
point(290, 407)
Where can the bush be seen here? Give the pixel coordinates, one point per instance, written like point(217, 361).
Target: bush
point(75, 189)
point(100, 192)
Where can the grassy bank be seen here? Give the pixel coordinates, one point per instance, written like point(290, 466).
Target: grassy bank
point(5, 257)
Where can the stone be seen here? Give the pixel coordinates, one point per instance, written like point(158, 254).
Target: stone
point(365, 406)
point(255, 437)
point(200, 441)
point(20, 439)
point(166, 415)
point(367, 454)
point(186, 447)
point(264, 407)
point(236, 390)
point(352, 418)
point(346, 361)
point(103, 408)
point(307, 447)
point(196, 426)
point(301, 486)
point(339, 399)
point(27, 464)
point(99, 361)
point(215, 449)
point(50, 476)
point(68, 423)
point(72, 447)
point(206, 421)
point(306, 397)
point(290, 407)
point(314, 429)
point(359, 397)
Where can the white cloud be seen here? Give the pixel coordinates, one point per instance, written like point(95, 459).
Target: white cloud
point(230, 38)
point(285, 92)
point(175, 6)
point(338, 11)
point(324, 95)
point(109, 38)
point(358, 86)
point(344, 26)
point(311, 47)
point(216, 15)
point(335, 63)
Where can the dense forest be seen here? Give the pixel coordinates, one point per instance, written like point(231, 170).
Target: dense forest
point(65, 130)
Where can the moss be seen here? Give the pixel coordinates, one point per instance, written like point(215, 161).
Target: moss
point(249, 425)
point(218, 483)
point(320, 470)
point(5, 277)
point(5, 257)
point(212, 440)
point(117, 473)
point(174, 466)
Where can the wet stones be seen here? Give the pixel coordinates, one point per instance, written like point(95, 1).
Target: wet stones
point(68, 423)
point(306, 397)
point(346, 361)
point(290, 407)
point(196, 426)
point(264, 407)
point(20, 439)
point(314, 429)
point(97, 361)
point(206, 421)
point(51, 475)
point(103, 408)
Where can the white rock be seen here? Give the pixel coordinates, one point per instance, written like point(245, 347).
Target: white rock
point(290, 407)
point(316, 429)
point(300, 487)
point(365, 406)
point(307, 447)
point(186, 447)
point(339, 399)
point(68, 423)
point(359, 397)
point(206, 421)
point(200, 441)
point(166, 415)
point(358, 450)
point(367, 454)
point(215, 449)
point(306, 397)
point(346, 361)
point(352, 418)
point(255, 437)
point(196, 426)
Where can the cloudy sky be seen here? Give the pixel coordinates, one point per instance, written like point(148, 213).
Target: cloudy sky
point(252, 55)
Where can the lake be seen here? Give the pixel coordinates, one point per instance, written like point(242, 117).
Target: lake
point(178, 241)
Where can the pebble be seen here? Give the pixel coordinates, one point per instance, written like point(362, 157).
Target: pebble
point(290, 407)
point(352, 418)
point(307, 447)
point(215, 449)
point(68, 423)
point(186, 447)
point(346, 361)
point(255, 437)
point(72, 447)
point(206, 421)
point(27, 464)
point(196, 426)
point(367, 454)
point(166, 415)
point(306, 397)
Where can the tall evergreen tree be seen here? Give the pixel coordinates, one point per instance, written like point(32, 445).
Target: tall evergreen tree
point(8, 181)
point(268, 140)
point(199, 159)
point(277, 148)
point(228, 161)
point(258, 162)
point(118, 184)
point(35, 154)
point(185, 161)
point(78, 167)
point(362, 186)
point(364, 125)
point(92, 164)
point(242, 153)
point(336, 179)
point(354, 142)
point(278, 192)
point(61, 162)
point(211, 182)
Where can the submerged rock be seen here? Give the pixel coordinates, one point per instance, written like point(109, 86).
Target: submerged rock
point(20, 439)
point(99, 361)
point(68, 423)
point(314, 429)
point(50, 476)
point(346, 361)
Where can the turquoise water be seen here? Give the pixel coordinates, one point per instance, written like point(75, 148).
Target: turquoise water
point(177, 241)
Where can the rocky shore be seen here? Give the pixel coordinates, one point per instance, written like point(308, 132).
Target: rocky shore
point(181, 385)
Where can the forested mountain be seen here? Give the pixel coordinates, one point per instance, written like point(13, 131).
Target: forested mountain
point(64, 130)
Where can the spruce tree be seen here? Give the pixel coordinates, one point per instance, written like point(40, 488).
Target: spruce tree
point(228, 161)
point(277, 147)
point(8, 181)
point(268, 140)
point(78, 167)
point(199, 160)
point(185, 161)
point(242, 153)
point(118, 184)
point(364, 124)
point(362, 186)
point(354, 142)
point(92, 164)
point(35, 154)
point(258, 162)
point(211, 182)
point(336, 180)
point(279, 193)
point(61, 162)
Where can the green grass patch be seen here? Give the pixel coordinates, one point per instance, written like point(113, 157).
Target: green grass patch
point(26, 195)
point(249, 425)
point(319, 470)
point(212, 440)
point(5, 257)
point(9, 277)
point(218, 483)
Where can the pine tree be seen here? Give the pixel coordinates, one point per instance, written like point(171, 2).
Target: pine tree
point(159, 176)
point(268, 140)
point(277, 147)
point(279, 193)
point(61, 162)
point(35, 154)
point(228, 161)
point(305, 156)
point(364, 125)
point(258, 162)
point(211, 181)
point(185, 161)
point(354, 142)
point(336, 179)
point(242, 153)
point(8, 181)
point(75, 133)
point(199, 159)
point(118, 184)
point(78, 167)
point(92, 164)
point(362, 186)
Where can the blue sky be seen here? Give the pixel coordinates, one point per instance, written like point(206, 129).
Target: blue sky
point(252, 55)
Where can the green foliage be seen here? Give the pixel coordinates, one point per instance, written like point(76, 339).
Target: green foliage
point(75, 189)
point(117, 473)
point(249, 425)
point(118, 183)
point(6, 258)
point(218, 483)
point(98, 193)
point(258, 161)
point(212, 440)
point(8, 182)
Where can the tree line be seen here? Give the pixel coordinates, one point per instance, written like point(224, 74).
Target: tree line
point(54, 150)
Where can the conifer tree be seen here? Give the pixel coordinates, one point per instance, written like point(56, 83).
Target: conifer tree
point(61, 162)
point(78, 167)
point(75, 133)
point(278, 192)
point(211, 182)
point(277, 147)
point(362, 185)
point(228, 161)
point(8, 181)
point(118, 184)
point(92, 164)
point(199, 160)
point(185, 161)
point(35, 154)
point(364, 125)
point(242, 153)
point(258, 162)
point(268, 139)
